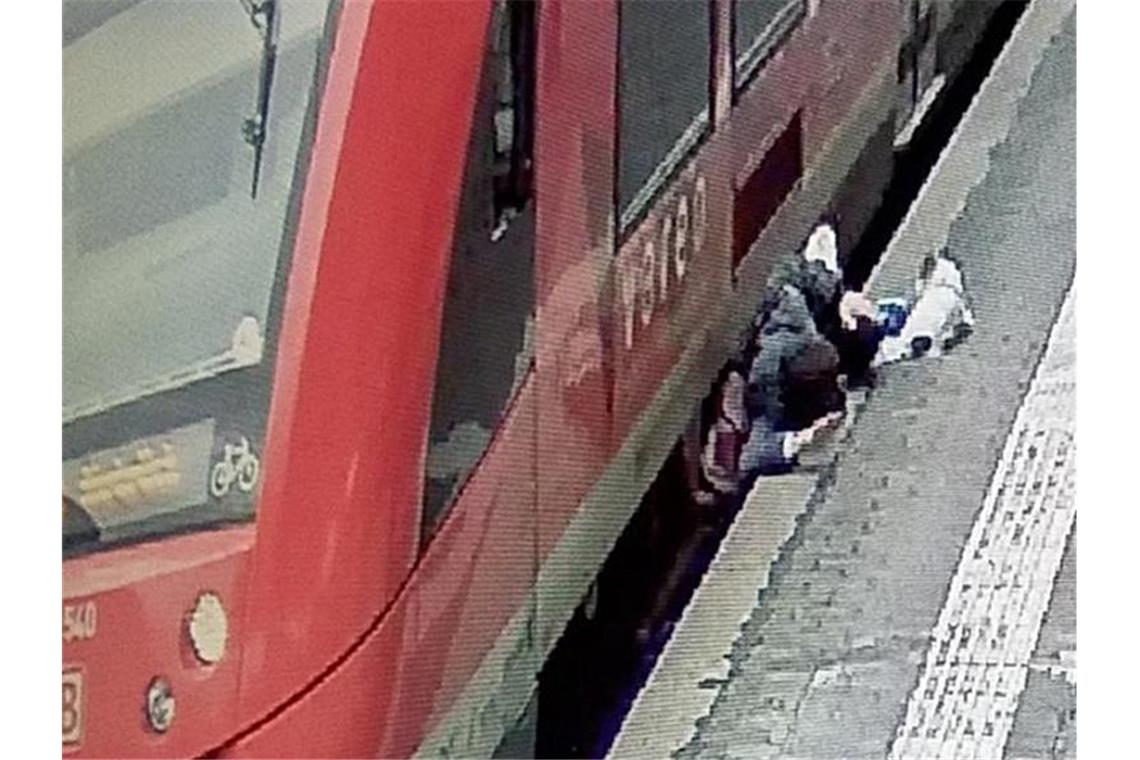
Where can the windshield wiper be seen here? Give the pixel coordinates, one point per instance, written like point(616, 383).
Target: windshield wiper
point(265, 16)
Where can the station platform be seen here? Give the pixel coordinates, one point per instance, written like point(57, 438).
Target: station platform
point(911, 594)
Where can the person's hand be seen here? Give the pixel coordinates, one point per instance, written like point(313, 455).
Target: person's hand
point(804, 437)
point(801, 438)
point(830, 419)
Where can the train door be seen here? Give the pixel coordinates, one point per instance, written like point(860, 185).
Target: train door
point(474, 585)
point(918, 80)
point(574, 162)
point(487, 337)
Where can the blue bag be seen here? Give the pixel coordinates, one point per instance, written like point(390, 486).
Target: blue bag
point(892, 314)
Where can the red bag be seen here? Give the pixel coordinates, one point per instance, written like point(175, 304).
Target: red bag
point(729, 442)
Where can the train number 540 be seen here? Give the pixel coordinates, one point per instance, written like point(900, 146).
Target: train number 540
point(79, 621)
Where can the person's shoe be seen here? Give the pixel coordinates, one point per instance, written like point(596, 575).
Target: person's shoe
point(961, 331)
point(921, 346)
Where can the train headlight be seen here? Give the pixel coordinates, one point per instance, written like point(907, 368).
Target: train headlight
point(208, 628)
point(159, 705)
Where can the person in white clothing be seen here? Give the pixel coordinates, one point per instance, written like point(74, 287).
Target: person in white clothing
point(939, 317)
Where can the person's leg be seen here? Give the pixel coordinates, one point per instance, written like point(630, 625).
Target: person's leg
point(967, 313)
point(719, 457)
point(857, 349)
point(962, 329)
point(766, 450)
point(960, 324)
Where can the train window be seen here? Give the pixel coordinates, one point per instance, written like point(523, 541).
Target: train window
point(487, 337)
point(170, 259)
point(758, 28)
point(663, 87)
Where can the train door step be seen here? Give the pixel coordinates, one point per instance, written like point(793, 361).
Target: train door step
point(929, 96)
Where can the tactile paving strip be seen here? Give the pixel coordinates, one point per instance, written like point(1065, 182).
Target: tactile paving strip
point(978, 661)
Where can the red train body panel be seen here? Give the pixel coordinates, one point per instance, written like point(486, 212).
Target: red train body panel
point(356, 625)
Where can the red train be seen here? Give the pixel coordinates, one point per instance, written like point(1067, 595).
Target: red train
point(381, 316)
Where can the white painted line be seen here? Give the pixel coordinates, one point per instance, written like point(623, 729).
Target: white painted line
point(664, 715)
point(979, 656)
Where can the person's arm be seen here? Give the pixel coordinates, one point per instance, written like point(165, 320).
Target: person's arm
point(795, 442)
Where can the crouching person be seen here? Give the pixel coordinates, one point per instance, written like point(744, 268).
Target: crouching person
point(786, 332)
point(794, 388)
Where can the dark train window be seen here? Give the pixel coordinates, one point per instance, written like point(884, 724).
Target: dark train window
point(766, 189)
point(513, 47)
point(487, 337)
point(758, 28)
point(663, 89)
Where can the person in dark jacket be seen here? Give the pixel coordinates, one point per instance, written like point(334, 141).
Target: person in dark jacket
point(795, 360)
point(784, 333)
point(813, 387)
point(857, 338)
point(812, 397)
point(822, 290)
point(844, 317)
point(795, 370)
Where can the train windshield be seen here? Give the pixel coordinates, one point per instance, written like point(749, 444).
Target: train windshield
point(184, 143)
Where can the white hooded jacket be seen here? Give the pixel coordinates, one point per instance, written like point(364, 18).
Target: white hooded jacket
point(939, 308)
